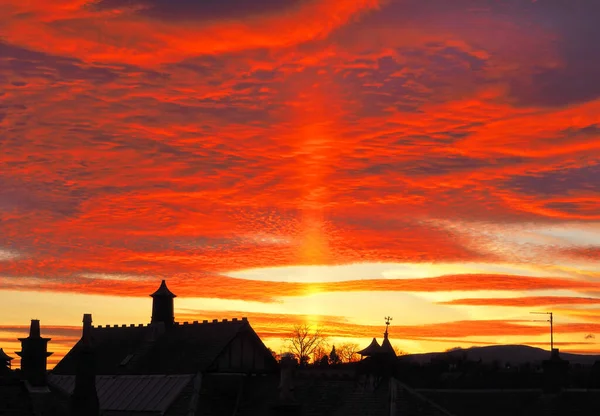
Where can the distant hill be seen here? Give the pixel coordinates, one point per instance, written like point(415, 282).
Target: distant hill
point(514, 354)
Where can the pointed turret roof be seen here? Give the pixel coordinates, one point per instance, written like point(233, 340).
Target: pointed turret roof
point(372, 349)
point(4, 357)
point(163, 290)
point(386, 347)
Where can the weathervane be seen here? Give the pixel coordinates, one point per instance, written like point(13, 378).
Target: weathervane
point(387, 323)
point(551, 320)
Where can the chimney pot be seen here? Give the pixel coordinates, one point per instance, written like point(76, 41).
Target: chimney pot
point(34, 329)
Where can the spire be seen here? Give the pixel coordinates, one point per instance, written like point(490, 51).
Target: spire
point(386, 347)
point(84, 401)
point(163, 290)
point(34, 354)
point(388, 319)
point(162, 305)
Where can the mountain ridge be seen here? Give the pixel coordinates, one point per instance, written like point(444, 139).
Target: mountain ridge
point(513, 354)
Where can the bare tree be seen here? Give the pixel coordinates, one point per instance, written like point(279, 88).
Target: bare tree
point(319, 352)
point(399, 352)
point(303, 342)
point(348, 352)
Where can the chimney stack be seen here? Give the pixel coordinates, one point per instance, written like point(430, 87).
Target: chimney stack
point(34, 355)
point(34, 329)
point(287, 405)
point(84, 401)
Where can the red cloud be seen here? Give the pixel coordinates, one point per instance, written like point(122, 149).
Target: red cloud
point(330, 132)
point(121, 35)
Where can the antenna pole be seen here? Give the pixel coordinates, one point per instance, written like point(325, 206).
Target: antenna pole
point(551, 333)
point(551, 320)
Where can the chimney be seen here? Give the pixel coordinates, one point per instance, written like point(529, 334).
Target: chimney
point(162, 305)
point(287, 405)
point(84, 401)
point(34, 329)
point(34, 355)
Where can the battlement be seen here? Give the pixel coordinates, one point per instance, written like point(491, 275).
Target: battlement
point(120, 326)
point(177, 324)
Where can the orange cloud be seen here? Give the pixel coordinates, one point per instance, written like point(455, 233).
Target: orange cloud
point(525, 301)
point(264, 291)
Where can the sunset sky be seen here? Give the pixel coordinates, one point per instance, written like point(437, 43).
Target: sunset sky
point(327, 161)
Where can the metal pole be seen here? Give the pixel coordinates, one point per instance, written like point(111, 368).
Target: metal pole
point(551, 320)
point(551, 333)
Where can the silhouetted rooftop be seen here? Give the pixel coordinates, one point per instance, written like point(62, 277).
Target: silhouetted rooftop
point(4, 357)
point(373, 348)
point(152, 394)
point(163, 290)
point(14, 398)
point(386, 347)
point(146, 349)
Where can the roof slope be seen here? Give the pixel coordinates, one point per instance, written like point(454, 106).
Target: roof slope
point(373, 348)
point(126, 393)
point(181, 349)
point(189, 348)
point(112, 345)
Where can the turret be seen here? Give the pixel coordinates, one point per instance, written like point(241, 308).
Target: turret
point(34, 355)
point(162, 305)
point(84, 401)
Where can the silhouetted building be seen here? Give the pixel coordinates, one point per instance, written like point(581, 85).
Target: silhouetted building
point(24, 392)
point(383, 351)
point(373, 349)
point(5, 366)
point(165, 367)
point(34, 355)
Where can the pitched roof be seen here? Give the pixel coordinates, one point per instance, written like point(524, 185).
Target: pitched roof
point(386, 347)
point(373, 348)
point(163, 290)
point(191, 346)
point(183, 348)
point(127, 393)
